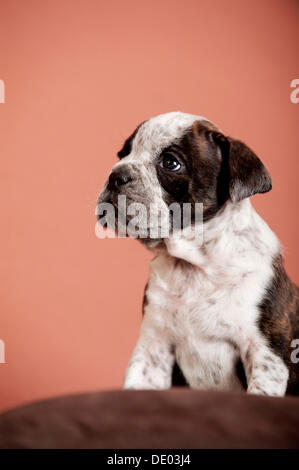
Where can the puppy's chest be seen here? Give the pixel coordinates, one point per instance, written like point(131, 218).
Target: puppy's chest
point(196, 305)
point(202, 317)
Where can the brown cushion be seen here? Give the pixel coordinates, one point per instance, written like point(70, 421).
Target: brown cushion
point(176, 418)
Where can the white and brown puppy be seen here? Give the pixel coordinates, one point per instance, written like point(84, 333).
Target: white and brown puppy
point(221, 314)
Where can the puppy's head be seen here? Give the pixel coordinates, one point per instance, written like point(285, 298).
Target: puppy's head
point(182, 158)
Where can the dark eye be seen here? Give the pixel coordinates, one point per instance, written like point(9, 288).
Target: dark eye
point(170, 162)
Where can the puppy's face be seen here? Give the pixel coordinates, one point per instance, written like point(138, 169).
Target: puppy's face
point(182, 158)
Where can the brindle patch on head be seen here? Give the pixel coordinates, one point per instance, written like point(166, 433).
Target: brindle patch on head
point(204, 177)
point(279, 320)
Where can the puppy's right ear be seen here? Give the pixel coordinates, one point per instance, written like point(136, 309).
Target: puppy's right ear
point(244, 172)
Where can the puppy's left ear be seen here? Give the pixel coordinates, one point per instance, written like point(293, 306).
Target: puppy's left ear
point(246, 174)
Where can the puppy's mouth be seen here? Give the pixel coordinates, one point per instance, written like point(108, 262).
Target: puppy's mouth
point(114, 216)
point(111, 212)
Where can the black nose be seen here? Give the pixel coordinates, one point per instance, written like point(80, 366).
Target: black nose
point(119, 178)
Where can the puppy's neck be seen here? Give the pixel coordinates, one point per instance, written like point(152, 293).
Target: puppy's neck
point(236, 231)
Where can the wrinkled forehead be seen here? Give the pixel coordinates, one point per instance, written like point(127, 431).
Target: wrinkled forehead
point(161, 131)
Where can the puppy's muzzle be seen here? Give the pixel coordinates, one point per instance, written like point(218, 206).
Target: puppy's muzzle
point(119, 178)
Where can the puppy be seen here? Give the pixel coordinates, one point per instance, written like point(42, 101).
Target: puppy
point(219, 312)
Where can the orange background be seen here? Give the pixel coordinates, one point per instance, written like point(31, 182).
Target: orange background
point(79, 76)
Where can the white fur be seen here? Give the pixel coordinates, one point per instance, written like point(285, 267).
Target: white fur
point(156, 134)
point(208, 311)
point(203, 311)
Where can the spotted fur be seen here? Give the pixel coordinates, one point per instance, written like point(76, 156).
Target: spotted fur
point(217, 315)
